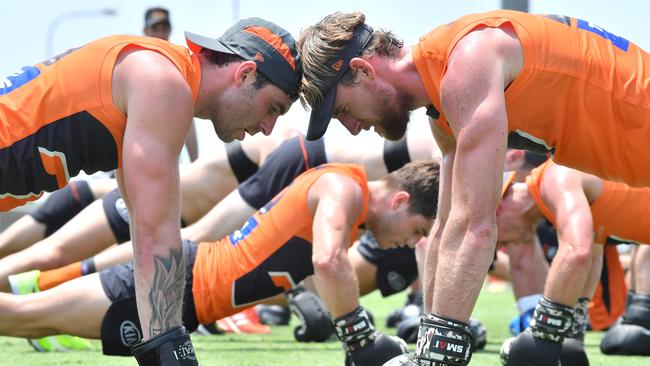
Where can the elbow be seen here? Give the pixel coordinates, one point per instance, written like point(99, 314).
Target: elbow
point(328, 264)
point(482, 234)
point(579, 256)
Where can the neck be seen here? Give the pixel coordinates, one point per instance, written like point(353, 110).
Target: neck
point(403, 75)
point(526, 203)
point(213, 83)
point(376, 194)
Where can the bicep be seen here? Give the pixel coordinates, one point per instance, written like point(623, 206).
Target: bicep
point(337, 210)
point(159, 113)
point(472, 99)
point(567, 201)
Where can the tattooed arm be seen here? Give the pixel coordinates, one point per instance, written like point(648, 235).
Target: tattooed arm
point(159, 106)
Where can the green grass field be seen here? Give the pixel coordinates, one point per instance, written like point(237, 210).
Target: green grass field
point(280, 349)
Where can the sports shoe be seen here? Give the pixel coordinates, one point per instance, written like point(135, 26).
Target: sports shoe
point(27, 283)
point(209, 329)
point(520, 322)
point(246, 321)
point(59, 343)
point(24, 283)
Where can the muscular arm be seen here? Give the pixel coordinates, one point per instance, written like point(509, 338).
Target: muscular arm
point(564, 195)
point(158, 103)
point(428, 256)
point(338, 206)
point(472, 98)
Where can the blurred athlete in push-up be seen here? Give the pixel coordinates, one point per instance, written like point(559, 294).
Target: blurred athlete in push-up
point(305, 229)
point(586, 211)
point(102, 224)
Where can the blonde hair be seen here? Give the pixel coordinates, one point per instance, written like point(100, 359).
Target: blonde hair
point(320, 46)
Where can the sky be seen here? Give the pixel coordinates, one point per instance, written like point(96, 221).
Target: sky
point(29, 29)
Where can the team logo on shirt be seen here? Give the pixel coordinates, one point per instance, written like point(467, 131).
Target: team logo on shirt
point(18, 79)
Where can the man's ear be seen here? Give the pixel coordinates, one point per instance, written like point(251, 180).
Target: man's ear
point(245, 70)
point(399, 198)
point(363, 67)
point(513, 155)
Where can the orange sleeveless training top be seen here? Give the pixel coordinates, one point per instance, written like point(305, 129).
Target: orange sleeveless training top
point(58, 117)
point(583, 93)
point(615, 213)
point(220, 265)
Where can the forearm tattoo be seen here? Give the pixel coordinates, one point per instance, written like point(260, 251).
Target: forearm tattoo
point(166, 293)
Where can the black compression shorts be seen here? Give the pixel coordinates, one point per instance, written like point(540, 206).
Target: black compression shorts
point(121, 325)
point(396, 154)
point(290, 159)
point(396, 267)
point(242, 166)
point(118, 216)
point(62, 205)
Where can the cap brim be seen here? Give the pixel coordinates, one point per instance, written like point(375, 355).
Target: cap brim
point(196, 42)
point(321, 116)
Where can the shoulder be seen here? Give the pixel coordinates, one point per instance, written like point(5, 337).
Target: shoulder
point(559, 181)
point(485, 51)
point(147, 74)
point(339, 186)
point(138, 66)
point(148, 65)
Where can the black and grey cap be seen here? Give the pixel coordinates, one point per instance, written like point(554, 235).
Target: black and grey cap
point(322, 114)
point(154, 16)
point(255, 39)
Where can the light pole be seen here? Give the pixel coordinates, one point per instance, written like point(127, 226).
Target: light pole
point(235, 11)
point(49, 40)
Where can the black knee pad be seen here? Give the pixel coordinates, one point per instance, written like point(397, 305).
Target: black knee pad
point(172, 348)
point(62, 205)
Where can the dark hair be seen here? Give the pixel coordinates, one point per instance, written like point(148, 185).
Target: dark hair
point(534, 160)
point(420, 179)
point(223, 59)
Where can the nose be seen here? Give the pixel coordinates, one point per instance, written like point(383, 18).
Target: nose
point(413, 240)
point(267, 126)
point(351, 124)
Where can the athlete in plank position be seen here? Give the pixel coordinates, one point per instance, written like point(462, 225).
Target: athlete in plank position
point(541, 82)
point(305, 229)
point(586, 211)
